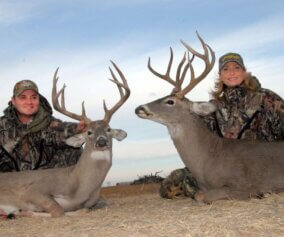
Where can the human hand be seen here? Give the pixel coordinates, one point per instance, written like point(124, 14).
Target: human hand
point(82, 126)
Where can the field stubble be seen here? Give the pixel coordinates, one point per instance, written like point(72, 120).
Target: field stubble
point(137, 210)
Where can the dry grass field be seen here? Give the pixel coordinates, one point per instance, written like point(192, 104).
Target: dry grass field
point(137, 210)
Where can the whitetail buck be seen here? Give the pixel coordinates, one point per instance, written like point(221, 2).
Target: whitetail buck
point(223, 168)
point(67, 189)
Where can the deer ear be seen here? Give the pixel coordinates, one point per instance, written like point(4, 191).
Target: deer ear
point(118, 134)
point(75, 141)
point(203, 108)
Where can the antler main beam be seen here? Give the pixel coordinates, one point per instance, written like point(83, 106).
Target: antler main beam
point(60, 107)
point(208, 65)
point(183, 69)
point(179, 76)
point(124, 92)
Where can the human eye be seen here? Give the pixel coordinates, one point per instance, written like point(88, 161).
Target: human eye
point(22, 97)
point(238, 67)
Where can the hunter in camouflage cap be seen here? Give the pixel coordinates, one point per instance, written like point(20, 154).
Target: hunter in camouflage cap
point(23, 86)
point(231, 57)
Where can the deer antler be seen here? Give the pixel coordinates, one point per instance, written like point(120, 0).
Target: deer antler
point(124, 94)
point(61, 107)
point(177, 83)
point(179, 76)
point(208, 65)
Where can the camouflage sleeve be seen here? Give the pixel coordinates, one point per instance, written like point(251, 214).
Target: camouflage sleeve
point(273, 106)
point(7, 145)
point(2, 151)
point(62, 130)
point(7, 142)
point(2, 130)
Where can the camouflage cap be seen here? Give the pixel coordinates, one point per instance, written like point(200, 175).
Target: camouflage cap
point(231, 57)
point(23, 86)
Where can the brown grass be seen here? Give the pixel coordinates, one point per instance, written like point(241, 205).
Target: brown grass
point(138, 211)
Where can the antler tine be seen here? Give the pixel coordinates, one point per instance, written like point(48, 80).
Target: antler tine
point(62, 92)
point(61, 107)
point(124, 94)
point(208, 65)
point(179, 79)
point(166, 76)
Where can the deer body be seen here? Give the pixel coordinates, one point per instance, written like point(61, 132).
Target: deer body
point(70, 187)
point(67, 189)
point(223, 168)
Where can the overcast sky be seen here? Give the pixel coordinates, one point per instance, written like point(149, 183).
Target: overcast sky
point(82, 36)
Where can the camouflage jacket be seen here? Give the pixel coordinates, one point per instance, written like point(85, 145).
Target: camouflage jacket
point(243, 113)
point(37, 145)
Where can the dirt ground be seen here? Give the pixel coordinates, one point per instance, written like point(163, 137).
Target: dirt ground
point(138, 211)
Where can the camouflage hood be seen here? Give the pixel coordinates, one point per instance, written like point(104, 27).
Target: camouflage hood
point(40, 121)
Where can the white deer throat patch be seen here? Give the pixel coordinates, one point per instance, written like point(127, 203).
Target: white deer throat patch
point(175, 131)
point(101, 155)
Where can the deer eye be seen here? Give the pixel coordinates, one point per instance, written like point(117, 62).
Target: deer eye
point(108, 130)
point(89, 133)
point(170, 102)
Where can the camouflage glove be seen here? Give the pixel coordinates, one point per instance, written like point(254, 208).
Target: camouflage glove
point(179, 182)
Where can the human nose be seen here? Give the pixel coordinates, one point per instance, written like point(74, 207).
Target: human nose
point(232, 71)
point(29, 100)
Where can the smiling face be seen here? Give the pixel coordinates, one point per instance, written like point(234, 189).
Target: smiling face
point(232, 74)
point(26, 104)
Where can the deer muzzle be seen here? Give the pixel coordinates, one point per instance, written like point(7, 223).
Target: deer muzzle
point(142, 112)
point(102, 142)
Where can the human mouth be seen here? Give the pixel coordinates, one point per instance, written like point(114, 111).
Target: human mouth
point(233, 79)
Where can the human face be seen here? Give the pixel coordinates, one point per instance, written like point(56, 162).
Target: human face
point(232, 74)
point(26, 104)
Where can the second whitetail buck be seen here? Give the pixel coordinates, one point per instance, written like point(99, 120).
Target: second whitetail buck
point(67, 189)
point(223, 168)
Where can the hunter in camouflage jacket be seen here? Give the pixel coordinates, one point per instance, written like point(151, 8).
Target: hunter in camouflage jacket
point(37, 145)
point(241, 114)
point(246, 114)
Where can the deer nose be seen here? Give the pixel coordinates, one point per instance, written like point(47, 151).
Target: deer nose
point(143, 112)
point(101, 142)
point(139, 109)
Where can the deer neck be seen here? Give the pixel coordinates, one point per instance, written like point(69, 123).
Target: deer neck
point(92, 167)
point(193, 141)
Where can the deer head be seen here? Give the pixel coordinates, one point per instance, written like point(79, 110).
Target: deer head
point(99, 134)
point(169, 109)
